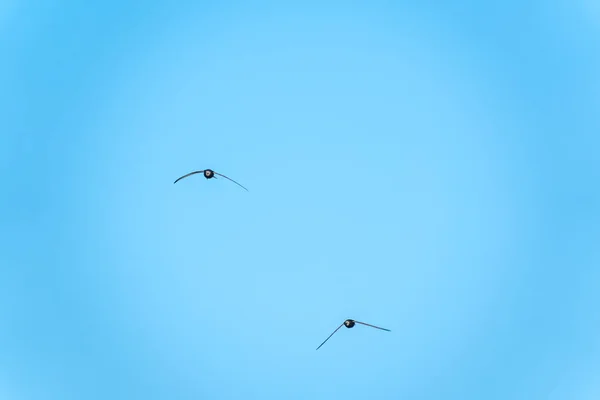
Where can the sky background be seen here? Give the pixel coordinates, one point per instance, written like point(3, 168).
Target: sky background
point(432, 169)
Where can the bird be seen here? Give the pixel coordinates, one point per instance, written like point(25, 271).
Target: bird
point(349, 323)
point(209, 174)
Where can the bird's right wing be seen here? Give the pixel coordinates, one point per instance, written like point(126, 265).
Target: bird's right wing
point(186, 175)
point(237, 183)
point(330, 335)
point(372, 326)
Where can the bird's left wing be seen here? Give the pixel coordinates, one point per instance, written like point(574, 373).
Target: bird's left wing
point(330, 336)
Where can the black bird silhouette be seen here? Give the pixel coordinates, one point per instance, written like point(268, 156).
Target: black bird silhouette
point(349, 323)
point(209, 174)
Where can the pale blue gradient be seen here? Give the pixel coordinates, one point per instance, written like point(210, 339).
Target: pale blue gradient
point(432, 169)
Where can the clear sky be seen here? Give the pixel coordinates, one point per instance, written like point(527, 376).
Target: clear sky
point(433, 169)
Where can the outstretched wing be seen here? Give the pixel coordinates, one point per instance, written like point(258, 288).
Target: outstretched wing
point(231, 180)
point(330, 336)
point(372, 326)
point(186, 175)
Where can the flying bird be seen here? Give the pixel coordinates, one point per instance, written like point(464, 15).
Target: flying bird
point(209, 174)
point(349, 323)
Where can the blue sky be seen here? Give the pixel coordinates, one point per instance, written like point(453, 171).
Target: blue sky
point(432, 169)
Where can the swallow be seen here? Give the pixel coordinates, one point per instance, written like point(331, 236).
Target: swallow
point(209, 174)
point(349, 323)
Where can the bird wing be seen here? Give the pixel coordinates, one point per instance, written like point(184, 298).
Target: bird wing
point(372, 326)
point(186, 175)
point(226, 177)
point(330, 335)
